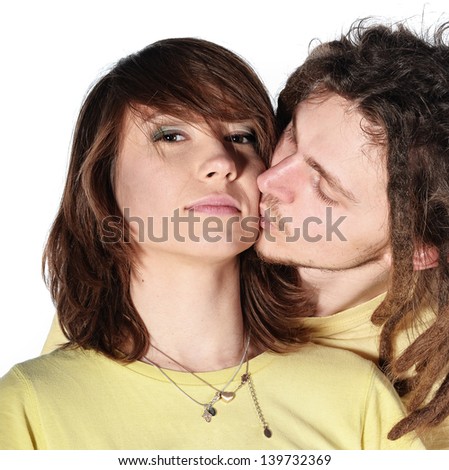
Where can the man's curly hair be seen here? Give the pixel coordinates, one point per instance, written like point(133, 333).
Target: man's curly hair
point(399, 81)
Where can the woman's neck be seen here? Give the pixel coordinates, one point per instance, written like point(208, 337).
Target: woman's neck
point(192, 311)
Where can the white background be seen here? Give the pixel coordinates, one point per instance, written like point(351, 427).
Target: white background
point(51, 52)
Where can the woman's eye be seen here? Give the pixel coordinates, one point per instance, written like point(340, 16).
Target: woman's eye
point(241, 138)
point(168, 135)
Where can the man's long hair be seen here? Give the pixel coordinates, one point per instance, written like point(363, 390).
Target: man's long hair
point(399, 81)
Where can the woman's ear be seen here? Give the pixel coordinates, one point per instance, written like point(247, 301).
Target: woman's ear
point(425, 257)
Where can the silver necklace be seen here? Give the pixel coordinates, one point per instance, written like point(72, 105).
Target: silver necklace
point(221, 394)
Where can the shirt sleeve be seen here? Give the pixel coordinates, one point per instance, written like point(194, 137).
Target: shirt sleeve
point(383, 410)
point(18, 413)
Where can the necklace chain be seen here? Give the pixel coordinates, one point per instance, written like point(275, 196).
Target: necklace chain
point(208, 408)
point(245, 355)
point(174, 383)
point(266, 429)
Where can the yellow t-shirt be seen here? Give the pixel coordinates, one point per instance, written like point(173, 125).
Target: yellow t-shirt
point(353, 330)
point(55, 337)
point(316, 398)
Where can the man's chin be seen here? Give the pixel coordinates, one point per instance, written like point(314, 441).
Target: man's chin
point(269, 257)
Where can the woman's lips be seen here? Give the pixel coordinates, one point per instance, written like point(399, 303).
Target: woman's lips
point(216, 205)
point(212, 209)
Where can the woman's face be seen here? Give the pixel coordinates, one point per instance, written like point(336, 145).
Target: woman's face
point(186, 190)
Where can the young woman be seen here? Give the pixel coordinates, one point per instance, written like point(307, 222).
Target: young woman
point(171, 322)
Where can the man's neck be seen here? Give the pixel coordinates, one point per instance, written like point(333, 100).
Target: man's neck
point(335, 291)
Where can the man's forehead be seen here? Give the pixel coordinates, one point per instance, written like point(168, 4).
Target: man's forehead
point(329, 133)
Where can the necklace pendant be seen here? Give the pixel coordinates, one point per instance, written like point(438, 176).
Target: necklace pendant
point(208, 413)
point(227, 396)
point(207, 416)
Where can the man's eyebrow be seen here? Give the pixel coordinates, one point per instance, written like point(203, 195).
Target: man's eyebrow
point(332, 180)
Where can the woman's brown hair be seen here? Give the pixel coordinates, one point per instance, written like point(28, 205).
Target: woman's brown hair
point(88, 278)
point(399, 81)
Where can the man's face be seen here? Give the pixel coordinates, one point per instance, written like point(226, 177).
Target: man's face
point(324, 203)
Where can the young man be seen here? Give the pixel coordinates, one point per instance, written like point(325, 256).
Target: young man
point(357, 199)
